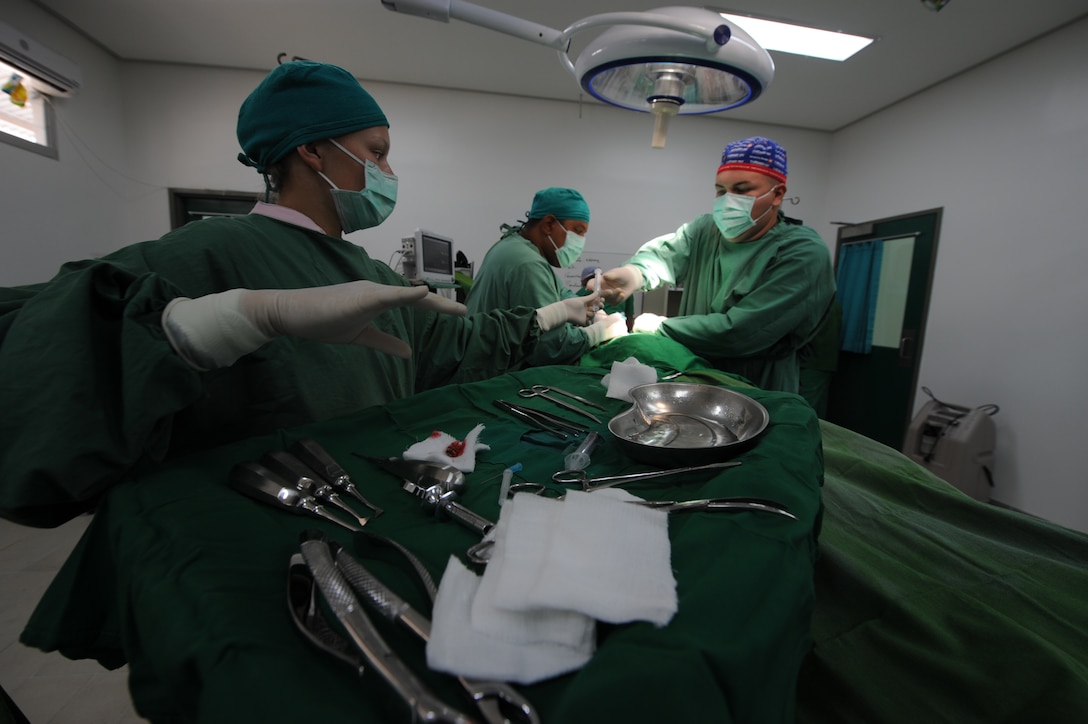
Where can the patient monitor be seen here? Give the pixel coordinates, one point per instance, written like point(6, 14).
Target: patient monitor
point(428, 257)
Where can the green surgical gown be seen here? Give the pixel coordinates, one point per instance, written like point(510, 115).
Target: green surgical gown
point(93, 391)
point(514, 274)
point(747, 308)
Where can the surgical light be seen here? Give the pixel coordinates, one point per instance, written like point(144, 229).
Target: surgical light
point(666, 61)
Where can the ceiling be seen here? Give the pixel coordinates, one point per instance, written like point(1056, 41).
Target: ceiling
point(916, 47)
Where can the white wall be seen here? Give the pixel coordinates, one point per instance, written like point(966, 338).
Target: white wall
point(1004, 149)
point(1001, 148)
point(52, 209)
point(466, 162)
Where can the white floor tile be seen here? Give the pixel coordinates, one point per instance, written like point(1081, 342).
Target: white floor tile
point(47, 687)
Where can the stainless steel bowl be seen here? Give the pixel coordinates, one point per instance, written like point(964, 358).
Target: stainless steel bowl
point(690, 424)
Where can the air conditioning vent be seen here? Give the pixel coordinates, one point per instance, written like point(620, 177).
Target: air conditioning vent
point(50, 72)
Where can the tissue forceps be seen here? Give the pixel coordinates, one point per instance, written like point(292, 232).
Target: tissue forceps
point(542, 391)
point(570, 477)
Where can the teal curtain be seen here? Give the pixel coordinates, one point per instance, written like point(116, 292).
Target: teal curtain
point(858, 282)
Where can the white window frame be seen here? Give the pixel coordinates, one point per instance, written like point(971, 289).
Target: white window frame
point(31, 127)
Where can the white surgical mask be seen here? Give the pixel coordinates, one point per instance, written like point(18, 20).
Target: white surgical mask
point(368, 207)
point(733, 213)
point(571, 249)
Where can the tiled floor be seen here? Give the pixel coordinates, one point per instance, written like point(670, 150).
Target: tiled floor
point(48, 688)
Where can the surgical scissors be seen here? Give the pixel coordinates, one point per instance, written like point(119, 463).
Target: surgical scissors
point(569, 477)
point(542, 391)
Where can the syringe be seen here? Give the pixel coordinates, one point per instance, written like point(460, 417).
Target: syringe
point(507, 476)
point(578, 458)
point(598, 278)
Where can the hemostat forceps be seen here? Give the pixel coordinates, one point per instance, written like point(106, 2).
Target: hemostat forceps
point(487, 694)
point(541, 420)
point(569, 477)
point(542, 391)
point(337, 592)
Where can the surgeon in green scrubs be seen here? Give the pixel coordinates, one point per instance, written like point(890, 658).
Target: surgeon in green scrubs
point(757, 285)
point(231, 327)
point(519, 270)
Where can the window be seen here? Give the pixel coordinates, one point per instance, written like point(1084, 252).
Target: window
point(30, 125)
point(190, 204)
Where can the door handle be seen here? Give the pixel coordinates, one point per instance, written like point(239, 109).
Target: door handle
point(906, 348)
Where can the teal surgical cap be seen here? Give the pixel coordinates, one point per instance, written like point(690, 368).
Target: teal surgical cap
point(299, 102)
point(564, 204)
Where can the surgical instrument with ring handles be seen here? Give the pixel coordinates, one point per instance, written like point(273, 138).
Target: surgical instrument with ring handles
point(576, 398)
point(542, 391)
point(338, 593)
point(533, 420)
point(488, 695)
point(570, 477)
point(679, 506)
point(481, 552)
point(546, 417)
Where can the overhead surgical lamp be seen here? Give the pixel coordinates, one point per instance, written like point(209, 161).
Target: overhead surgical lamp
point(666, 61)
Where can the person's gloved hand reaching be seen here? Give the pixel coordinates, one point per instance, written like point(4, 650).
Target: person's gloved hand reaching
point(620, 283)
point(213, 331)
point(578, 311)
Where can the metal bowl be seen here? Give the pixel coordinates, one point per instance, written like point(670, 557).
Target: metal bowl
point(689, 424)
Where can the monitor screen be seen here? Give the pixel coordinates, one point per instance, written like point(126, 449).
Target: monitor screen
point(434, 255)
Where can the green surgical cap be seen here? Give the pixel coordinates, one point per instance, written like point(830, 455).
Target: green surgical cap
point(564, 204)
point(299, 102)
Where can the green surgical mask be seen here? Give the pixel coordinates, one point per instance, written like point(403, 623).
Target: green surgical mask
point(369, 207)
point(571, 249)
point(733, 213)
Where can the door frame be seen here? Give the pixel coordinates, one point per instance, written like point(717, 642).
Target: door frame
point(911, 341)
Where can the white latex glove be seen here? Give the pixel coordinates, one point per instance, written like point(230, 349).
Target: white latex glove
point(620, 283)
point(612, 326)
point(576, 310)
point(648, 323)
point(213, 331)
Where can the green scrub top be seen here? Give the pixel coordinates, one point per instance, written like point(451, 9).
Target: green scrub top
point(93, 390)
point(748, 308)
point(513, 274)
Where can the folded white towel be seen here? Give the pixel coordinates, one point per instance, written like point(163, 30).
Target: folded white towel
point(455, 647)
point(592, 553)
point(569, 628)
point(627, 574)
point(625, 375)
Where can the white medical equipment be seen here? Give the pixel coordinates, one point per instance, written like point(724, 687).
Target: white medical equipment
point(429, 257)
point(956, 443)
